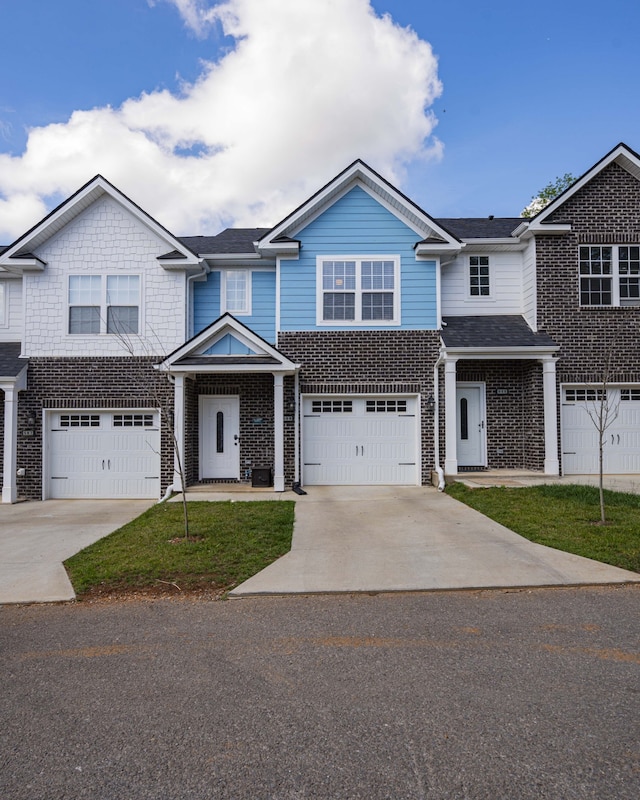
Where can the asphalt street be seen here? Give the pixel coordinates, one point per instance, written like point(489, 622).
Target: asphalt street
point(516, 694)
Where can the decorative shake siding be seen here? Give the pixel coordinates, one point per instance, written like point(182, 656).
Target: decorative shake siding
point(605, 211)
point(369, 362)
point(87, 383)
point(104, 239)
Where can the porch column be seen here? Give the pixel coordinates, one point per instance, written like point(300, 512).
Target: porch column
point(551, 462)
point(451, 423)
point(10, 466)
point(178, 432)
point(278, 432)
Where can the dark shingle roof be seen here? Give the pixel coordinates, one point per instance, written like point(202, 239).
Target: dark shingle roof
point(11, 365)
point(480, 227)
point(240, 240)
point(231, 240)
point(492, 331)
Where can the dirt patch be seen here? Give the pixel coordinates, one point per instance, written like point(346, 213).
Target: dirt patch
point(160, 591)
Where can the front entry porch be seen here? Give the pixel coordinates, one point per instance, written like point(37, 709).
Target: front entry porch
point(498, 393)
point(235, 409)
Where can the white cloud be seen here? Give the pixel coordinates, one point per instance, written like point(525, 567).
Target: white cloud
point(309, 86)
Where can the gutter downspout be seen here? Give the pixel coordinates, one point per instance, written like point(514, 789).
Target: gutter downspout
point(188, 300)
point(436, 424)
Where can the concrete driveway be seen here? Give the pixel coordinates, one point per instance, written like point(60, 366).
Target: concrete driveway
point(35, 538)
point(384, 538)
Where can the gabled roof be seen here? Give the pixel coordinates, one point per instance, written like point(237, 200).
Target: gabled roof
point(251, 352)
point(283, 236)
point(621, 154)
point(19, 255)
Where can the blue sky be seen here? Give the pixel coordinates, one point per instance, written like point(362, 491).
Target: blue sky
point(528, 92)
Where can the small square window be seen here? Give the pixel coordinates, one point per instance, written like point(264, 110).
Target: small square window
point(479, 285)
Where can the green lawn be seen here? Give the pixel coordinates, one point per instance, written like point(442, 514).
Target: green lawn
point(564, 517)
point(231, 542)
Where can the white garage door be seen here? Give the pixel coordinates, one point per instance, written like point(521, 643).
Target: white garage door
point(360, 440)
point(580, 435)
point(103, 454)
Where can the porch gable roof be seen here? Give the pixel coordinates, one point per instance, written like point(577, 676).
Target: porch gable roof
point(200, 355)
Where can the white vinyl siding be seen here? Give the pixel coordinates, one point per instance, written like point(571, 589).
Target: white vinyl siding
point(506, 289)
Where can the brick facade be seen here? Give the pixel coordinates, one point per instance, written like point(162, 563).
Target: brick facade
point(85, 383)
point(604, 211)
point(514, 411)
point(256, 421)
point(369, 362)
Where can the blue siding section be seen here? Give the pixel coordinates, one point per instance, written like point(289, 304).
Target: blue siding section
point(357, 224)
point(262, 320)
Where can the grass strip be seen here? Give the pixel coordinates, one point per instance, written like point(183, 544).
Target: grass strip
point(229, 542)
point(565, 517)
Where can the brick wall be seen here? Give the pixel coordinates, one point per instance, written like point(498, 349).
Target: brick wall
point(367, 362)
point(605, 211)
point(88, 383)
point(514, 421)
point(256, 438)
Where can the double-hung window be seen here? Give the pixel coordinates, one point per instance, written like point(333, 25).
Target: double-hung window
point(479, 283)
point(609, 275)
point(104, 304)
point(235, 291)
point(358, 290)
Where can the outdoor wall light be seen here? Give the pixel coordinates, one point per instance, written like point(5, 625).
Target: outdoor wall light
point(31, 421)
point(430, 403)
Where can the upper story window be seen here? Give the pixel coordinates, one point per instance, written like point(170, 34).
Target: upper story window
point(479, 282)
point(3, 305)
point(609, 275)
point(104, 304)
point(235, 291)
point(358, 290)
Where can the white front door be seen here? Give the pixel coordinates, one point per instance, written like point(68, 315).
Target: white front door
point(471, 447)
point(219, 437)
point(360, 441)
point(103, 454)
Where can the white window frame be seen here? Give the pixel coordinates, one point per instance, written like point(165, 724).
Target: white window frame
point(104, 304)
point(4, 316)
point(358, 291)
point(480, 296)
point(224, 305)
point(613, 275)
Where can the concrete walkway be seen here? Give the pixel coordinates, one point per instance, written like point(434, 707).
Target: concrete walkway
point(365, 538)
point(35, 538)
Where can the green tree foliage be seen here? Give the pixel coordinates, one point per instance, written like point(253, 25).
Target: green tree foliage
point(547, 194)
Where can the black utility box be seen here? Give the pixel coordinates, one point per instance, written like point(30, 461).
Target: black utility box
point(261, 476)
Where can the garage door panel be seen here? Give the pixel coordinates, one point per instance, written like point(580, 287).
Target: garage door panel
point(104, 454)
point(372, 443)
point(580, 436)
